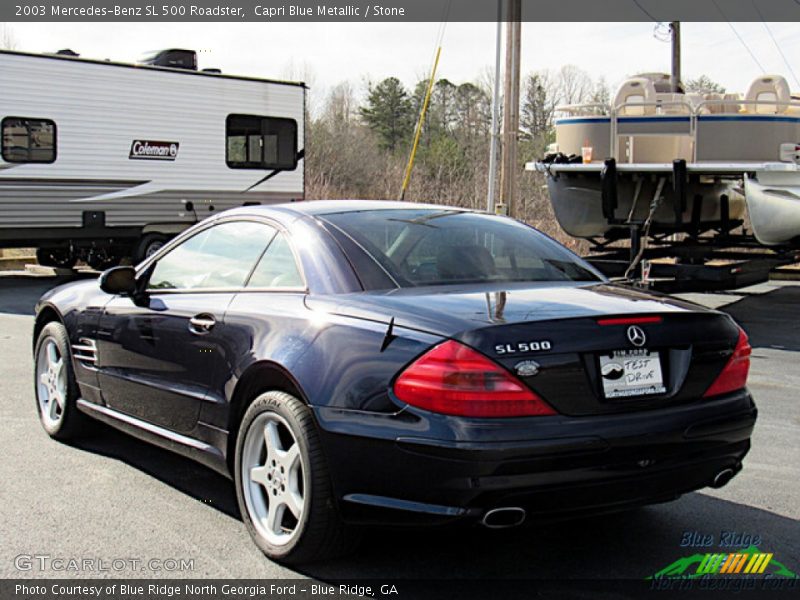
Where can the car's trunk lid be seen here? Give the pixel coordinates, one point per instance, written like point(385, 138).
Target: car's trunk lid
point(590, 365)
point(565, 341)
point(447, 310)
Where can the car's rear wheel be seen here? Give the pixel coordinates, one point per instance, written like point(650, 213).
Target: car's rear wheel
point(283, 485)
point(55, 387)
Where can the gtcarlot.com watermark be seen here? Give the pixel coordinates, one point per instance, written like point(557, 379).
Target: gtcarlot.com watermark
point(93, 564)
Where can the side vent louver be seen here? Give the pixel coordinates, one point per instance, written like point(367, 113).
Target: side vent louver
point(85, 351)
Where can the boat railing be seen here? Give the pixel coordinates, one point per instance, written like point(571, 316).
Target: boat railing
point(670, 117)
point(719, 101)
point(701, 107)
point(659, 105)
point(590, 109)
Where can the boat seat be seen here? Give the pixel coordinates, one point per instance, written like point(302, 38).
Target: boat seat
point(732, 103)
point(637, 89)
point(714, 105)
point(768, 88)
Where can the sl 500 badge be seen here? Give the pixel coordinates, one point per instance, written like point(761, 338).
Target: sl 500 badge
point(522, 347)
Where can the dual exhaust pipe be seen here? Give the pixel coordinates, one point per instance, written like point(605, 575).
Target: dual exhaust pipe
point(513, 516)
point(722, 478)
point(503, 518)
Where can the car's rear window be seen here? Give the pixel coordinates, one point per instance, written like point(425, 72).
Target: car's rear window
point(420, 247)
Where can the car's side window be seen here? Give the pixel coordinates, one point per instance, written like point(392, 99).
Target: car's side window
point(277, 268)
point(218, 257)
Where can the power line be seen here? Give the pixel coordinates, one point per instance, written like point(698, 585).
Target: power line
point(741, 39)
point(652, 18)
point(774, 41)
point(441, 30)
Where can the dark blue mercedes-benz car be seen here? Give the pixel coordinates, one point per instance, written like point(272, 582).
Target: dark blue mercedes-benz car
point(355, 362)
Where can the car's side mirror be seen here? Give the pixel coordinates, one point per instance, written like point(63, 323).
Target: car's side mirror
point(119, 280)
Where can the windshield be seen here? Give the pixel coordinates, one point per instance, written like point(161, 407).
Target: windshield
point(433, 247)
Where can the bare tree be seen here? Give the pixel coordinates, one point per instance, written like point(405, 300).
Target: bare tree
point(303, 71)
point(574, 85)
point(342, 105)
point(601, 93)
point(8, 40)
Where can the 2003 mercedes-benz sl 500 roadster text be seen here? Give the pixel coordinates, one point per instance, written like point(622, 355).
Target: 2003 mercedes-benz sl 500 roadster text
point(354, 362)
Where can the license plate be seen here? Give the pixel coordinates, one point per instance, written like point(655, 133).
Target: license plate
point(628, 373)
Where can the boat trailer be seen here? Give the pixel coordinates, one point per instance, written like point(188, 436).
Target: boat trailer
point(705, 256)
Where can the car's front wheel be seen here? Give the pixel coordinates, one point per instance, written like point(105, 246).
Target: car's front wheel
point(283, 485)
point(55, 386)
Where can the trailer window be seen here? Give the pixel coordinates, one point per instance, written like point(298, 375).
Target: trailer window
point(254, 142)
point(28, 140)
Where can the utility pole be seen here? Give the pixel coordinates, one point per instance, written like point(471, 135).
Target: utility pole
point(675, 31)
point(498, 52)
point(508, 169)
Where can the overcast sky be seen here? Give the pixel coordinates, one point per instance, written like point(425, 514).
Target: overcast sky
point(325, 54)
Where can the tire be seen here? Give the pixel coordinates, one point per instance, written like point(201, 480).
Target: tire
point(60, 258)
point(283, 486)
point(55, 390)
point(102, 260)
point(148, 244)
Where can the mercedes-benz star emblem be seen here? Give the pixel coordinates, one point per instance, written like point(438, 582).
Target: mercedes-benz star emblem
point(636, 336)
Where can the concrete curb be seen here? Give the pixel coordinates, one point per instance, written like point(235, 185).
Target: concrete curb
point(12, 263)
point(785, 274)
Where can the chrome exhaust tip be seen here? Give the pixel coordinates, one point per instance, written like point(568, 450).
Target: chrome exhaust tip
point(502, 518)
point(723, 477)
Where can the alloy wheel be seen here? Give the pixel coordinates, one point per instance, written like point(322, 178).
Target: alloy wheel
point(272, 475)
point(51, 382)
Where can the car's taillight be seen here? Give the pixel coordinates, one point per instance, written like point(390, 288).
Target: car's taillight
point(454, 379)
point(734, 376)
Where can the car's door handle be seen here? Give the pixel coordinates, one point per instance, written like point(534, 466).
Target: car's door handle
point(202, 323)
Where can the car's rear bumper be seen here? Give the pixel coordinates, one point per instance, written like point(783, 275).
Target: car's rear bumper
point(423, 468)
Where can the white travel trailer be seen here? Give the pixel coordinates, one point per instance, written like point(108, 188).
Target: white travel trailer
point(102, 160)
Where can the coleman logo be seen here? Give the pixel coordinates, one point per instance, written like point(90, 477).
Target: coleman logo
point(150, 150)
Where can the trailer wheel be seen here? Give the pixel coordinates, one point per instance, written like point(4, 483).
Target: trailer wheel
point(60, 258)
point(102, 259)
point(148, 244)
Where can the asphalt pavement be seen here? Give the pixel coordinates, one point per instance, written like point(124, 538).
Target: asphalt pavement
point(112, 497)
